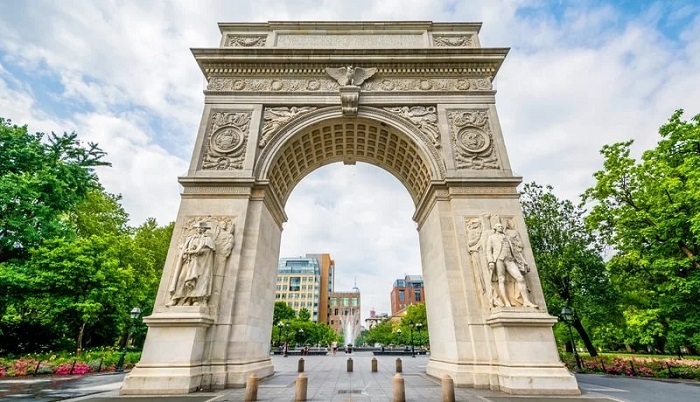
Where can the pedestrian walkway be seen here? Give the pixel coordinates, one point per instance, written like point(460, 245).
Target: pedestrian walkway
point(329, 380)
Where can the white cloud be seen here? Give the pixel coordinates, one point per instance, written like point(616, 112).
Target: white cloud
point(579, 75)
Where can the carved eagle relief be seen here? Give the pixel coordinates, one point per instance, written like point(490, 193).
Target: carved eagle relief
point(350, 75)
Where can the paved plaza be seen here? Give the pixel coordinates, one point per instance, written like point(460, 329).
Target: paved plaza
point(329, 380)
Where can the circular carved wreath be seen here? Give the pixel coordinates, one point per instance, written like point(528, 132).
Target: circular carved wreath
point(226, 140)
point(473, 140)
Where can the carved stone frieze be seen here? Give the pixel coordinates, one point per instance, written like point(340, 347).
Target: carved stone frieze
point(227, 136)
point(472, 140)
point(423, 117)
point(275, 118)
point(326, 84)
point(245, 40)
point(453, 41)
point(428, 84)
point(321, 84)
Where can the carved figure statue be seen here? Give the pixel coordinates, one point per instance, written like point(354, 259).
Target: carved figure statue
point(224, 242)
point(192, 279)
point(422, 117)
point(350, 75)
point(505, 257)
point(276, 117)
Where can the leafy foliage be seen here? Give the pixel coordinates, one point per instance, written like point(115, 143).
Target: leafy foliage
point(649, 212)
point(41, 178)
point(571, 269)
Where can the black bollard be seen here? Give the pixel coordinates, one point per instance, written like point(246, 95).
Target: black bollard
point(349, 364)
point(399, 365)
point(374, 364)
point(300, 365)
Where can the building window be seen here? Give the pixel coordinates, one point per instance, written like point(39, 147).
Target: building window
point(418, 295)
point(294, 283)
point(402, 296)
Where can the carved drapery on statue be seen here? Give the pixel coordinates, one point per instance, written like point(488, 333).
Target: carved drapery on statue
point(472, 140)
point(423, 117)
point(227, 136)
point(204, 246)
point(498, 261)
point(275, 118)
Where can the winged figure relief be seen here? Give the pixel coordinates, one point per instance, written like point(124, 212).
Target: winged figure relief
point(350, 75)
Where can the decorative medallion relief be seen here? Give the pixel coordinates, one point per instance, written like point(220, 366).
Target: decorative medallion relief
point(423, 117)
point(204, 247)
point(453, 41)
point(245, 40)
point(472, 140)
point(226, 141)
point(275, 118)
point(498, 262)
point(326, 84)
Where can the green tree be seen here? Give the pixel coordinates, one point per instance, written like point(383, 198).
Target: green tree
point(282, 312)
point(569, 261)
point(304, 314)
point(41, 178)
point(382, 333)
point(649, 212)
point(415, 314)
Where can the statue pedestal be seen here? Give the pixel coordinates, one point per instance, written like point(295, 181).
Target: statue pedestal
point(523, 357)
point(528, 362)
point(171, 362)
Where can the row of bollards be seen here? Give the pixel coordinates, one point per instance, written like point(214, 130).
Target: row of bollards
point(302, 382)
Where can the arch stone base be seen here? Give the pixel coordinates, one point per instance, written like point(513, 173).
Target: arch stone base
point(422, 108)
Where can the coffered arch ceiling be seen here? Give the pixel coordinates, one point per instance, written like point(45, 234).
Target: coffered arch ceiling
point(350, 140)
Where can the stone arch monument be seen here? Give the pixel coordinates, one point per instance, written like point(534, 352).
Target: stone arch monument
point(285, 98)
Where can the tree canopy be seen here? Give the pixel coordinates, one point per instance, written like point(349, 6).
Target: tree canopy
point(70, 266)
point(41, 178)
point(648, 211)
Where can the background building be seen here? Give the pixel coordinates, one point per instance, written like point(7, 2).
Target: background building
point(299, 284)
point(345, 309)
point(407, 291)
point(327, 285)
point(375, 318)
point(305, 282)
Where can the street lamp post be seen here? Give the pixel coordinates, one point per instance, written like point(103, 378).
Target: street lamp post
point(134, 314)
point(420, 340)
point(398, 331)
point(286, 338)
point(568, 317)
point(413, 348)
point(301, 335)
point(279, 333)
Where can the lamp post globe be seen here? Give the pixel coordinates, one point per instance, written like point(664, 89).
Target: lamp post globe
point(279, 333)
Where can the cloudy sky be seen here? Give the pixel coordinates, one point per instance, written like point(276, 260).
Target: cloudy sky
point(580, 74)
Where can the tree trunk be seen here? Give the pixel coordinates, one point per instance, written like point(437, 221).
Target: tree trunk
point(584, 337)
point(80, 340)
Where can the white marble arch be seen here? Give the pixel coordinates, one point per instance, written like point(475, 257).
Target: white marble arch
point(272, 115)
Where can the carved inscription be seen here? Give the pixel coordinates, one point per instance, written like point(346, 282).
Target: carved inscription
point(472, 140)
point(275, 118)
point(423, 117)
point(226, 141)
